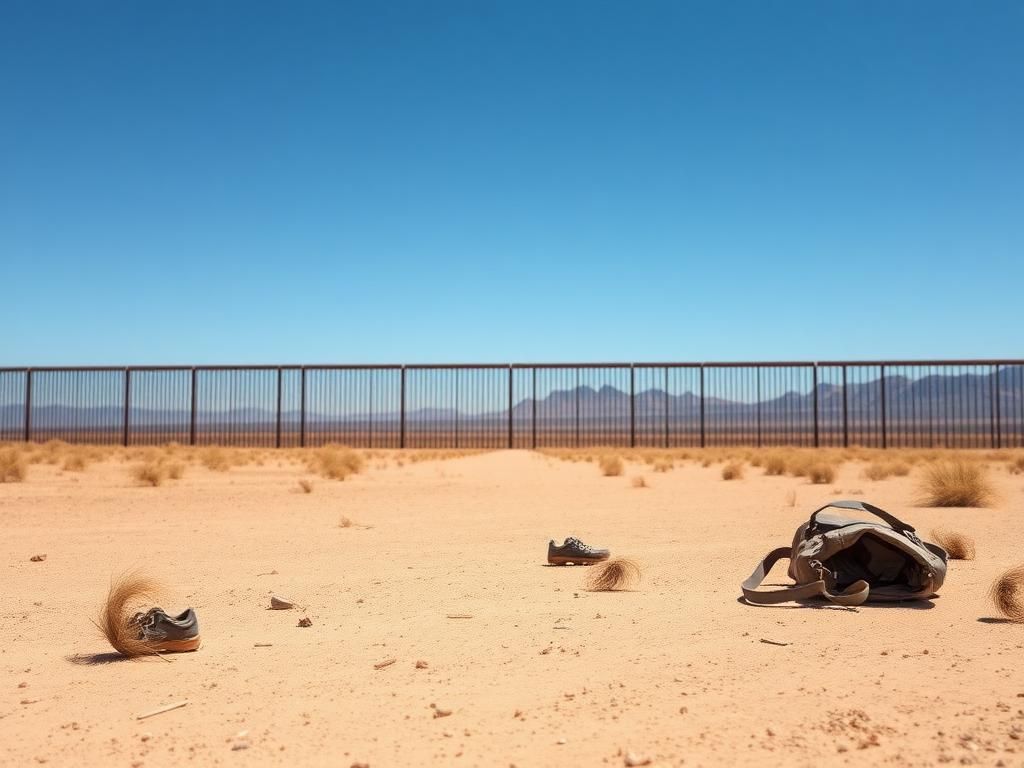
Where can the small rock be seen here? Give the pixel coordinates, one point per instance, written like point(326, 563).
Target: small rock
point(421, 664)
point(305, 622)
point(360, 765)
point(37, 558)
point(278, 603)
point(560, 741)
point(23, 685)
point(632, 758)
point(439, 711)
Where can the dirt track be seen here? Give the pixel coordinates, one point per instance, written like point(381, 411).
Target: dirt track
point(544, 673)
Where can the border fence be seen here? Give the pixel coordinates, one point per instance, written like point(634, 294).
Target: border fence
point(951, 404)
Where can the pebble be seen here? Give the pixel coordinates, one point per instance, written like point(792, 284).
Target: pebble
point(305, 621)
point(632, 759)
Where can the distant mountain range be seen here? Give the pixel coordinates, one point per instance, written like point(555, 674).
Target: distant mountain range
point(964, 395)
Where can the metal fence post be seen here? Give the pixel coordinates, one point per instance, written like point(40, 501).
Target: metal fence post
point(666, 406)
point(632, 406)
point(510, 406)
point(846, 421)
point(702, 433)
point(401, 410)
point(816, 437)
point(302, 407)
point(998, 414)
point(277, 430)
point(577, 407)
point(28, 405)
point(192, 416)
point(881, 379)
point(533, 409)
point(127, 404)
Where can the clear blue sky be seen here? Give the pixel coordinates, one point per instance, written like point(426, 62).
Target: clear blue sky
point(510, 181)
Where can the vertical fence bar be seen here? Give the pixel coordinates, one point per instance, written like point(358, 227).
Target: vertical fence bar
point(277, 436)
point(127, 405)
point(758, 397)
point(992, 405)
point(302, 407)
point(998, 415)
point(881, 380)
point(815, 384)
point(401, 410)
point(28, 405)
point(577, 407)
point(533, 409)
point(632, 406)
point(702, 435)
point(846, 414)
point(192, 415)
point(666, 407)
point(510, 406)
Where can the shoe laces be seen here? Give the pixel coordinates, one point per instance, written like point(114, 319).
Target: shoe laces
point(573, 541)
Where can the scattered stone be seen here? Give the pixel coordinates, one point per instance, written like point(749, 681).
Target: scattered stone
point(305, 621)
point(240, 741)
point(632, 759)
point(268, 573)
point(561, 741)
point(278, 603)
point(439, 711)
point(37, 558)
point(421, 664)
point(23, 685)
point(360, 765)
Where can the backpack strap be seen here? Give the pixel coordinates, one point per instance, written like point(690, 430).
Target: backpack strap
point(863, 506)
point(855, 594)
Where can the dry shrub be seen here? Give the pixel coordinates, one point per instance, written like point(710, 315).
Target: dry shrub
point(128, 593)
point(76, 460)
point(306, 486)
point(663, 465)
point(639, 482)
point(955, 483)
point(149, 473)
point(821, 473)
point(959, 546)
point(732, 471)
point(791, 499)
point(1017, 466)
point(879, 470)
point(611, 466)
point(615, 574)
point(175, 470)
point(775, 464)
point(1008, 594)
point(216, 459)
point(345, 522)
point(337, 462)
point(13, 468)
point(899, 469)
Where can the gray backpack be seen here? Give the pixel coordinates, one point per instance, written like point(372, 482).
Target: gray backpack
point(849, 561)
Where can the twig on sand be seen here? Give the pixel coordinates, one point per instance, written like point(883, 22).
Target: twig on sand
point(262, 645)
point(460, 616)
point(161, 710)
point(772, 642)
point(268, 573)
point(385, 663)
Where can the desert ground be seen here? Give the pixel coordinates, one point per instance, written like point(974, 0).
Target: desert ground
point(676, 671)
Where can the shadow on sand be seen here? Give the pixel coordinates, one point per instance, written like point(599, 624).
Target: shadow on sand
point(96, 659)
point(913, 605)
point(996, 620)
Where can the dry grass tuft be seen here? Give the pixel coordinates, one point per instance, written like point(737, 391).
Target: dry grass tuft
point(611, 466)
point(616, 574)
point(337, 462)
point(957, 545)
point(732, 471)
point(955, 483)
point(13, 467)
point(149, 473)
point(639, 482)
point(775, 464)
point(306, 486)
point(216, 459)
point(880, 470)
point(821, 473)
point(1008, 594)
point(128, 593)
point(76, 460)
point(175, 470)
point(1016, 466)
point(663, 465)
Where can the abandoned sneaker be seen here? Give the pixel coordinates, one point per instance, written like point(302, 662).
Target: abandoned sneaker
point(576, 552)
point(169, 634)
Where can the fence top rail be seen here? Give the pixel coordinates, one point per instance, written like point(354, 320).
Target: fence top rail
point(506, 366)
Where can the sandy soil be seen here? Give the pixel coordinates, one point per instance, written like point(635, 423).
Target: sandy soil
point(544, 673)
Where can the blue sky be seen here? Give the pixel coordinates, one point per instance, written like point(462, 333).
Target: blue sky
point(517, 181)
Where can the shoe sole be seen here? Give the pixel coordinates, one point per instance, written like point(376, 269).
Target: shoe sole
point(178, 646)
point(559, 560)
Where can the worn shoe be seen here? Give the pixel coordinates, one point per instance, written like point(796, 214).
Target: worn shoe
point(576, 552)
point(169, 634)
